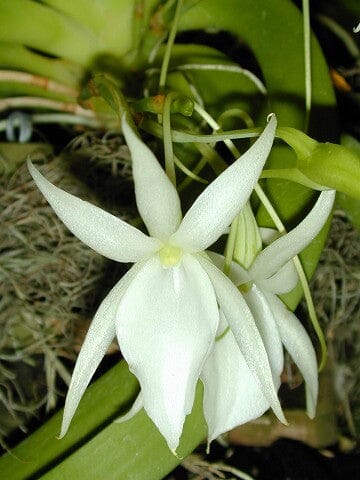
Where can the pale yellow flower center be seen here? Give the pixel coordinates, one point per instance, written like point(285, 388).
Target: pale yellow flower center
point(170, 255)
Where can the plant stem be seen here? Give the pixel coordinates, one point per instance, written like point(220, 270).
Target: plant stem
point(168, 147)
point(170, 42)
point(307, 61)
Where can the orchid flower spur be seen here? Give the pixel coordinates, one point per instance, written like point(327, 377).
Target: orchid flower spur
point(164, 311)
point(272, 272)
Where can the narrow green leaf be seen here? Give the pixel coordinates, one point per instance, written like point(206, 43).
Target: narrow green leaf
point(17, 57)
point(134, 450)
point(109, 20)
point(114, 392)
point(40, 27)
point(97, 448)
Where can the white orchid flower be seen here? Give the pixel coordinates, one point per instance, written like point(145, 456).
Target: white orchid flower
point(164, 311)
point(272, 272)
point(232, 397)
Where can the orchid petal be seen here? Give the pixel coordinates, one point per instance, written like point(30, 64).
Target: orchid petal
point(156, 197)
point(260, 310)
point(99, 336)
point(166, 325)
point(217, 259)
point(282, 281)
point(238, 274)
point(231, 394)
point(269, 235)
point(299, 346)
point(219, 203)
point(273, 257)
point(267, 327)
point(101, 231)
point(134, 410)
point(247, 336)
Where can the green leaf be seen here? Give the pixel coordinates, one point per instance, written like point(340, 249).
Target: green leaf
point(95, 447)
point(114, 391)
point(66, 38)
point(134, 450)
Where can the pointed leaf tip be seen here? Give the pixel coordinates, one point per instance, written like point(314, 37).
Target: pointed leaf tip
point(278, 253)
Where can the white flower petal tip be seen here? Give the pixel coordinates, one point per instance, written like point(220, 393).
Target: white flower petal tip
point(208, 444)
point(278, 411)
point(278, 253)
point(103, 232)
point(136, 407)
point(216, 207)
point(63, 430)
point(311, 403)
point(283, 420)
point(174, 452)
point(156, 197)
